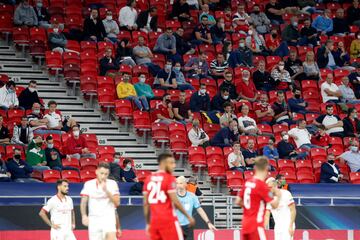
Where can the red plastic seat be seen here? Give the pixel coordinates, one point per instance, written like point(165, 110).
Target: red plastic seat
point(216, 168)
point(214, 153)
point(54, 60)
point(235, 180)
point(197, 157)
point(271, 61)
point(105, 82)
point(88, 85)
point(265, 128)
point(37, 34)
point(178, 129)
point(318, 153)
point(245, 139)
point(178, 145)
point(262, 141)
point(71, 72)
point(124, 109)
point(51, 176)
point(248, 174)
point(21, 36)
point(74, 22)
point(336, 142)
point(86, 175)
point(317, 164)
point(70, 57)
point(310, 117)
point(15, 115)
point(106, 97)
point(355, 177)
point(309, 85)
point(160, 132)
point(278, 128)
point(71, 175)
point(305, 177)
point(89, 164)
point(91, 140)
point(286, 165)
point(141, 121)
point(211, 129)
point(37, 175)
point(142, 174)
point(106, 151)
point(290, 176)
point(71, 162)
point(303, 164)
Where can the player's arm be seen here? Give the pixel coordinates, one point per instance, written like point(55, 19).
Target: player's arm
point(113, 196)
point(266, 219)
point(45, 218)
point(83, 210)
point(73, 219)
point(178, 205)
point(146, 208)
point(239, 201)
point(118, 226)
point(206, 219)
point(292, 218)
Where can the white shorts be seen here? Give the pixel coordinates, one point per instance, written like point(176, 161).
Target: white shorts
point(282, 235)
point(100, 226)
point(61, 235)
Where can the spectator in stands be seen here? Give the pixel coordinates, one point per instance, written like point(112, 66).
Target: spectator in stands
point(25, 15)
point(54, 119)
point(94, 29)
point(166, 78)
point(281, 110)
point(330, 172)
point(295, 67)
point(321, 138)
point(217, 31)
point(147, 21)
point(23, 133)
point(347, 94)
point(354, 78)
point(307, 6)
point(236, 160)
point(108, 64)
point(351, 124)
point(206, 12)
point(166, 44)
point(246, 123)
point(352, 156)
point(143, 56)
point(218, 101)
point(353, 14)
point(197, 135)
point(296, 103)
point(276, 46)
point(124, 53)
point(165, 111)
point(192, 186)
point(259, 19)
point(340, 26)
point(127, 173)
point(5, 175)
point(111, 27)
point(218, 66)
point(242, 56)
point(308, 34)
point(202, 33)
point(8, 98)
point(246, 88)
point(143, 89)
point(281, 76)
point(262, 78)
point(311, 68)
point(256, 42)
point(264, 113)
point(76, 145)
point(127, 16)
point(58, 41)
point(355, 46)
point(287, 150)
point(274, 12)
point(332, 123)
point(342, 57)
point(42, 14)
point(270, 150)
point(301, 135)
point(4, 132)
point(53, 156)
point(228, 83)
point(228, 115)
point(181, 11)
point(226, 136)
point(183, 46)
point(241, 19)
point(197, 67)
point(226, 49)
point(325, 58)
point(125, 90)
point(19, 169)
point(36, 120)
point(182, 110)
point(35, 156)
point(200, 101)
point(250, 154)
point(330, 91)
point(323, 23)
point(291, 32)
point(29, 96)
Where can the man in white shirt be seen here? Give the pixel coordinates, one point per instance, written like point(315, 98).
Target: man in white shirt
point(8, 98)
point(127, 16)
point(352, 156)
point(284, 215)
point(333, 124)
point(103, 197)
point(54, 119)
point(330, 92)
point(301, 135)
point(247, 124)
point(61, 209)
point(236, 159)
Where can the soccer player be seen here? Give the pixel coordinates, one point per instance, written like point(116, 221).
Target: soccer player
point(159, 198)
point(253, 197)
point(103, 197)
point(61, 209)
point(284, 215)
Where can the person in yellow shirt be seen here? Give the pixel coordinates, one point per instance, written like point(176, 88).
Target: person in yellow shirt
point(355, 46)
point(126, 90)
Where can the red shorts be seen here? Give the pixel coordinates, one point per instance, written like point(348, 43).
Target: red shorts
point(259, 234)
point(168, 232)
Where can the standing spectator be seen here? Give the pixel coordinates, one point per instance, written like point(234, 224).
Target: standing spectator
point(353, 14)
point(197, 67)
point(246, 88)
point(355, 46)
point(330, 172)
point(200, 101)
point(108, 64)
point(19, 169)
point(262, 78)
point(76, 145)
point(342, 57)
point(282, 113)
point(218, 101)
point(183, 46)
point(228, 84)
point(166, 78)
point(332, 123)
point(354, 78)
point(8, 98)
point(127, 173)
point(197, 135)
point(35, 156)
point(236, 160)
point(242, 56)
point(226, 136)
point(274, 12)
point(36, 120)
point(264, 112)
point(325, 58)
point(281, 76)
point(276, 46)
point(295, 67)
point(311, 68)
point(330, 92)
point(291, 33)
point(164, 110)
point(124, 53)
point(125, 90)
point(228, 116)
point(256, 42)
point(182, 110)
point(143, 56)
point(111, 27)
point(147, 21)
point(53, 156)
point(352, 156)
point(5, 175)
point(218, 66)
point(351, 124)
point(270, 150)
point(340, 23)
point(287, 150)
point(246, 123)
point(166, 44)
point(308, 34)
point(143, 89)
point(218, 34)
point(54, 119)
point(181, 11)
point(23, 134)
point(260, 21)
point(29, 96)
point(206, 12)
point(296, 103)
point(301, 135)
point(128, 15)
point(58, 41)
point(94, 29)
point(250, 154)
point(25, 15)
point(321, 138)
point(42, 14)
point(347, 94)
point(4, 132)
point(323, 23)
point(202, 33)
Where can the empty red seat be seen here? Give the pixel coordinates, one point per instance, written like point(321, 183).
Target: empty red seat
point(262, 141)
point(303, 164)
point(141, 121)
point(211, 129)
point(248, 174)
point(21, 36)
point(88, 164)
point(278, 128)
point(305, 177)
point(197, 158)
point(290, 176)
point(15, 115)
point(318, 153)
point(51, 176)
point(71, 162)
point(71, 175)
point(285, 165)
point(142, 174)
point(265, 128)
point(355, 177)
point(54, 60)
point(91, 140)
point(124, 109)
point(214, 153)
point(160, 132)
point(235, 180)
point(86, 175)
point(106, 151)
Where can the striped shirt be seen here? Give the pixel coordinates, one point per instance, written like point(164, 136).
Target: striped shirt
point(219, 68)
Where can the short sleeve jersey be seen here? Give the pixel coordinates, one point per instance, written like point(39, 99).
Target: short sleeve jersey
point(60, 211)
point(263, 108)
point(162, 110)
point(190, 202)
point(53, 119)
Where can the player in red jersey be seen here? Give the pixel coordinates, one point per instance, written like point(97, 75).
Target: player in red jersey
point(253, 198)
point(159, 201)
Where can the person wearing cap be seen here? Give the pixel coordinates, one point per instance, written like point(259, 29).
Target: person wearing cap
point(242, 56)
point(190, 202)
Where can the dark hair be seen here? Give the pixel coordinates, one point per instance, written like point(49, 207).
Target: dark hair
point(129, 2)
point(168, 28)
point(224, 49)
point(104, 165)
point(329, 106)
point(202, 84)
point(329, 41)
point(163, 156)
point(49, 138)
point(241, 107)
point(165, 95)
point(224, 89)
point(272, 138)
point(295, 89)
point(300, 121)
point(32, 82)
point(126, 161)
point(152, 8)
point(322, 127)
point(204, 16)
point(226, 104)
point(11, 83)
point(279, 93)
point(279, 176)
point(51, 103)
point(350, 110)
point(61, 181)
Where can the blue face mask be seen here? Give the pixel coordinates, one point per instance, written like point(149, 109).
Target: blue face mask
point(168, 67)
point(176, 69)
point(10, 90)
point(39, 5)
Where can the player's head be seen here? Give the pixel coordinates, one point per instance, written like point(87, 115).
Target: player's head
point(261, 165)
point(166, 162)
point(181, 183)
point(280, 180)
point(271, 182)
point(102, 171)
point(62, 186)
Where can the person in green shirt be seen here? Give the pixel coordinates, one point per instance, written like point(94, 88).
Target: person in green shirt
point(35, 155)
point(143, 89)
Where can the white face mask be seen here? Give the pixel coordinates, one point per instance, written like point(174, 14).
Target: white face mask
point(50, 145)
point(202, 91)
point(142, 79)
point(281, 67)
point(32, 89)
point(286, 137)
point(226, 97)
point(358, 37)
point(109, 18)
point(222, 25)
point(128, 166)
point(354, 148)
point(76, 133)
point(55, 30)
point(242, 45)
point(250, 32)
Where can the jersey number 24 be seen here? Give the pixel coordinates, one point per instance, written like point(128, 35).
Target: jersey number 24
point(156, 195)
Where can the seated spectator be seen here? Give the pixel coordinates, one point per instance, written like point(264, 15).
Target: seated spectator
point(180, 78)
point(236, 160)
point(19, 169)
point(124, 53)
point(218, 66)
point(125, 90)
point(202, 33)
point(226, 49)
point(58, 41)
point(354, 78)
point(54, 119)
point(287, 150)
point(340, 26)
point(147, 21)
point(260, 21)
point(228, 84)
point(281, 76)
point(182, 110)
point(270, 150)
point(76, 145)
point(353, 14)
point(307, 6)
point(166, 44)
point(111, 27)
point(183, 46)
point(197, 67)
point(29, 96)
point(330, 172)
point(241, 20)
point(143, 89)
point(311, 69)
point(332, 123)
point(330, 92)
point(164, 110)
point(166, 78)
point(247, 124)
point(180, 11)
point(351, 124)
point(206, 12)
point(228, 116)
point(5, 175)
point(256, 42)
point(342, 57)
point(309, 34)
point(323, 23)
point(197, 135)
point(242, 56)
point(355, 46)
point(274, 12)
point(325, 58)
point(291, 33)
point(352, 156)
point(128, 15)
point(301, 135)
point(94, 29)
point(35, 155)
point(4, 132)
point(42, 14)
point(264, 113)
point(347, 94)
point(226, 136)
point(262, 78)
point(108, 65)
point(246, 88)
point(276, 46)
point(143, 56)
point(250, 154)
point(281, 110)
point(8, 98)
point(295, 67)
point(37, 121)
point(217, 31)
point(127, 173)
point(218, 101)
point(296, 103)
point(321, 138)
point(25, 15)
point(23, 133)
point(200, 100)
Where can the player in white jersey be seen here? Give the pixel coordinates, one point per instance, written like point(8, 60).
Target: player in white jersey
point(103, 197)
point(61, 209)
point(284, 215)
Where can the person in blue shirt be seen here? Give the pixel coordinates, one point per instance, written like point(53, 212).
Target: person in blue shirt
point(226, 136)
point(323, 23)
point(180, 78)
point(190, 202)
point(296, 103)
point(270, 150)
point(127, 173)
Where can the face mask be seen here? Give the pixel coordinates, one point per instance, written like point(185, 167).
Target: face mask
point(281, 68)
point(116, 160)
point(286, 137)
point(250, 32)
point(283, 182)
point(36, 111)
point(142, 79)
point(274, 35)
point(331, 161)
point(226, 97)
point(295, 24)
point(297, 96)
point(17, 156)
point(242, 45)
point(246, 78)
point(195, 125)
point(168, 67)
point(222, 25)
point(355, 115)
point(177, 69)
point(32, 89)
point(39, 5)
point(55, 30)
point(354, 148)
point(76, 133)
point(128, 166)
point(109, 18)
point(202, 91)
point(50, 145)
point(358, 37)
point(10, 90)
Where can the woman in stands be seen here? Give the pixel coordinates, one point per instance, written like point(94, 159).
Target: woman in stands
point(124, 53)
point(127, 173)
point(311, 68)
